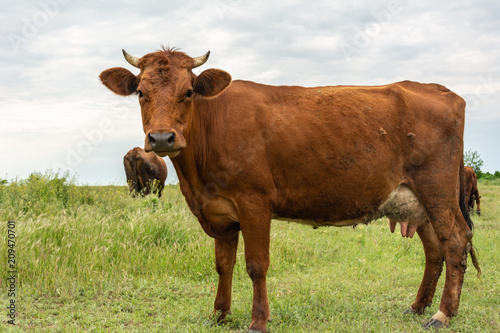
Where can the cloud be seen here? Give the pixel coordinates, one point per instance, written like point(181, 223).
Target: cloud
point(51, 92)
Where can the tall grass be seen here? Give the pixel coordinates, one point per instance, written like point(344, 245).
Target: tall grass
point(72, 238)
point(95, 259)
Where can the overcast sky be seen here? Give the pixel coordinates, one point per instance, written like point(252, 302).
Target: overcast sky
point(54, 112)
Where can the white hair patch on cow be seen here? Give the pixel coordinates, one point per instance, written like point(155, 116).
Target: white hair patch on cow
point(403, 205)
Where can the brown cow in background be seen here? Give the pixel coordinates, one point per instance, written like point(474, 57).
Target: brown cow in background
point(246, 153)
point(143, 169)
point(471, 188)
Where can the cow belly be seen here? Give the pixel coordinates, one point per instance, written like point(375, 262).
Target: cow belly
point(364, 219)
point(402, 205)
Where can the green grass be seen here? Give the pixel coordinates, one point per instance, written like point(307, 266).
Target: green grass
point(93, 259)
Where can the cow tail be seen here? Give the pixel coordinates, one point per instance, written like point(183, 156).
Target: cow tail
point(465, 212)
point(463, 198)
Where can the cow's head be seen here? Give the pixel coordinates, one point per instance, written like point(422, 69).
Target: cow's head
point(166, 88)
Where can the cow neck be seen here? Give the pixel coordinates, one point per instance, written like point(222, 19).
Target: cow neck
point(191, 164)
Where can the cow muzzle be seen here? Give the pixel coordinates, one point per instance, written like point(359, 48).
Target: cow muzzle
point(164, 143)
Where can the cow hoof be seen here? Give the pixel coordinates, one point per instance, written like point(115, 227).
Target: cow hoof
point(415, 312)
point(410, 311)
point(433, 324)
point(209, 323)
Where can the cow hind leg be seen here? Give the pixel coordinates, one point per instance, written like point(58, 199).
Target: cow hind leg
point(433, 268)
point(454, 248)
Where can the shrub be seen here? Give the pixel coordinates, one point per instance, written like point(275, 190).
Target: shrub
point(39, 193)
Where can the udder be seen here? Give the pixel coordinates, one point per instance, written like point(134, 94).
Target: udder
point(403, 207)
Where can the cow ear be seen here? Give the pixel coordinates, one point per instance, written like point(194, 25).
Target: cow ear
point(120, 81)
point(211, 82)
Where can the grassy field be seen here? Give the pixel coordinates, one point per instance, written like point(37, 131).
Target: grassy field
point(92, 259)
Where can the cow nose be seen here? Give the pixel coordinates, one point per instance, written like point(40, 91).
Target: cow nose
point(162, 141)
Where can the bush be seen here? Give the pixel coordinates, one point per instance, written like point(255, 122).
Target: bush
point(39, 193)
point(489, 176)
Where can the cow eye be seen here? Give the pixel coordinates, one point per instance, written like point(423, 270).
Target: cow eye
point(189, 93)
point(140, 94)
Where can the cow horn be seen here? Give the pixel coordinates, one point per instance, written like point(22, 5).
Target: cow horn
point(134, 61)
point(198, 61)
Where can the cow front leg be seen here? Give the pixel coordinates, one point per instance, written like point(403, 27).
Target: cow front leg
point(255, 228)
point(478, 202)
point(433, 268)
point(257, 263)
point(225, 259)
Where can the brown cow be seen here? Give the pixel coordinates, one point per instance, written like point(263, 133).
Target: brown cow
point(471, 189)
point(144, 170)
point(246, 153)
